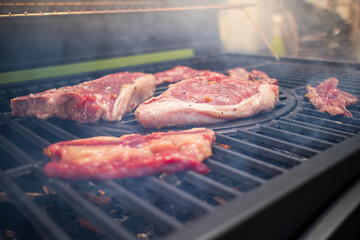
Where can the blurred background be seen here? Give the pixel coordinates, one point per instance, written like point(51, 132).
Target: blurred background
point(49, 38)
point(312, 29)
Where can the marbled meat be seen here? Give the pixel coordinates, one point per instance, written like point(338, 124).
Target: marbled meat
point(130, 155)
point(326, 97)
point(255, 76)
point(179, 73)
point(205, 100)
point(107, 98)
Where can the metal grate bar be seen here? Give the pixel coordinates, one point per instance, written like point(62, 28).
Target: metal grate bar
point(129, 115)
point(316, 113)
point(55, 130)
point(328, 123)
point(256, 167)
point(126, 123)
point(332, 131)
point(159, 91)
point(106, 225)
point(356, 114)
point(181, 197)
point(356, 107)
point(296, 138)
point(93, 131)
point(230, 172)
point(14, 151)
point(78, 130)
point(288, 85)
point(209, 185)
point(293, 81)
point(25, 132)
point(353, 75)
point(129, 122)
point(303, 69)
point(350, 84)
point(351, 90)
point(20, 171)
point(309, 131)
point(85, 129)
point(44, 224)
point(140, 206)
point(275, 156)
point(271, 141)
point(302, 72)
point(114, 131)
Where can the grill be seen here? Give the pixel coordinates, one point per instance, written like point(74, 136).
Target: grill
point(270, 175)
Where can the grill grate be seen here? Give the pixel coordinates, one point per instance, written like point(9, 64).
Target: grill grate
point(249, 159)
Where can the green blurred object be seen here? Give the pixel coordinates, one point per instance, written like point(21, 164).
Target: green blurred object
point(90, 66)
point(278, 46)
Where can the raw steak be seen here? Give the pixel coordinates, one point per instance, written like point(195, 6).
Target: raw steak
point(326, 97)
point(255, 76)
point(130, 155)
point(179, 73)
point(107, 98)
point(205, 100)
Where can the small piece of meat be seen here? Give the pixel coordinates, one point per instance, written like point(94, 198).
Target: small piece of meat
point(179, 73)
point(108, 98)
point(130, 155)
point(205, 100)
point(326, 97)
point(255, 76)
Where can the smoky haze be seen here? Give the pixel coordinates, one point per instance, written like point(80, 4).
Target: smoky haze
point(48, 40)
point(321, 32)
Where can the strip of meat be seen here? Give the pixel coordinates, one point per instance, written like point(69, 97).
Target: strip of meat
point(255, 76)
point(326, 97)
point(130, 155)
point(107, 98)
point(179, 73)
point(205, 100)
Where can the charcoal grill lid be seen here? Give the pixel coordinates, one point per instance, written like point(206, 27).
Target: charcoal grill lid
point(74, 38)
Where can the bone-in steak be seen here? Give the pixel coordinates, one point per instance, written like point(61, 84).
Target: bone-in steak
point(107, 98)
point(178, 73)
point(205, 100)
point(130, 155)
point(327, 97)
point(255, 76)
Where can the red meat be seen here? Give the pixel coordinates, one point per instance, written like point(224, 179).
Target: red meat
point(179, 73)
point(326, 97)
point(205, 100)
point(255, 76)
point(130, 155)
point(107, 98)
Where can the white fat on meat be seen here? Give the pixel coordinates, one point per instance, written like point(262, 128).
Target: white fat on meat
point(228, 99)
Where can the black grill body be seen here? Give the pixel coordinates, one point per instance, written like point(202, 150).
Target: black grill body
point(270, 175)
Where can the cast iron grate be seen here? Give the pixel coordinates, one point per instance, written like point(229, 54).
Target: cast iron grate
point(246, 158)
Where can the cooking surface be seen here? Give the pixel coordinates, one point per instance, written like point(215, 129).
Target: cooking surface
point(256, 161)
